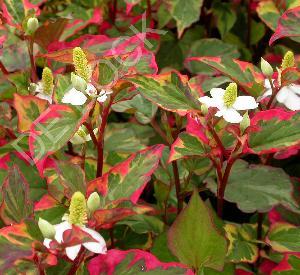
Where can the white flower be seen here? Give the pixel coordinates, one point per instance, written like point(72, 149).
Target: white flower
point(81, 135)
point(38, 89)
point(98, 247)
point(228, 111)
point(76, 97)
point(287, 95)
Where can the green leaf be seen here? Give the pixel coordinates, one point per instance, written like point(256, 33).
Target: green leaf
point(142, 224)
point(225, 17)
point(16, 204)
point(243, 73)
point(127, 180)
point(167, 95)
point(284, 237)
point(185, 12)
point(276, 130)
point(54, 128)
point(65, 179)
point(16, 10)
point(242, 247)
point(143, 109)
point(209, 47)
point(197, 248)
point(258, 187)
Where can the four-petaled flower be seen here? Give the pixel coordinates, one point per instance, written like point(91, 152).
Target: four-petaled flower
point(287, 95)
point(228, 103)
point(81, 135)
point(75, 97)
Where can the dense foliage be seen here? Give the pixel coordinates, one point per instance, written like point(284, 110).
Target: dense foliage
point(149, 136)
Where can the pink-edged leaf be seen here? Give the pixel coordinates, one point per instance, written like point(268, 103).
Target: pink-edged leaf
point(245, 74)
point(190, 143)
point(16, 244)
point(106, 218)
point(132, 262)
point(268, 133)
point(13, 12)
point(16, 205)
point(128, 179)
point(288, 25)
point(76, 24)
point(243, 272)
point(28, 110)
point(64, 179)
point(289, 265)
point(53, 129)
point(169, 91)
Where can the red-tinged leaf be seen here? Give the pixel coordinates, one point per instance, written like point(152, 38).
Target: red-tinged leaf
point(64, 179)
point(288, 25)
point(15, 246)
point(132, 262)
point(289, 76)
point(106, 218)
point(190, 143)
point(245, 74)
point(16, 205)
point(268, 133)
point(289, 265)
point(76, 24)
point(50, 32)
point(28, 109)
point(243, 272)
point(128, 179)
point(53, 129)
point(13, 12)
point(76, 236)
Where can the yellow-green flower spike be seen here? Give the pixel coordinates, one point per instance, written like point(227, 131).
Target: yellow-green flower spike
point(81, 64)
point(288, 60)
point(78, 209)
point(230, 95)
point(47, 80)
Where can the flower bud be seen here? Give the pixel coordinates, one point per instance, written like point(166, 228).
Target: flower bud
point(93, 202)
point(266, 68)
point(47, 229)
point(78, 82)
point(204, 109)
point(230, 95)
point(245, 123)
point(288, 60)
point(32, 25)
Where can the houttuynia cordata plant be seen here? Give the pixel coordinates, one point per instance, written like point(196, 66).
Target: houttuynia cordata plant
point(150, 136)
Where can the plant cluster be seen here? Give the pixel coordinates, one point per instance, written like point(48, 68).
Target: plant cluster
point(150, 136)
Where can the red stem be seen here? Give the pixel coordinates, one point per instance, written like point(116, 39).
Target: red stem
point(91, 132)
point(77, 262)
point(177, 186)
point(34, 76)
point(3, 69)
point(274, 93)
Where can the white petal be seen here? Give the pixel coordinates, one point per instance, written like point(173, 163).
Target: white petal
point(88, 137)
point(60, 229)
point(47, 242)
point(245, 103)
point(208, 101)
point(232, 116)
point(102, 98)
point(74, 97)
point(217, 92)
point(283, 94)
point(219, 113)
point(96, 247)
point(267, 83)
point(294, 88)
point(91, 90)
point(266, 94)
point(73, 251)
point(43, 96)
point(292, 102)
